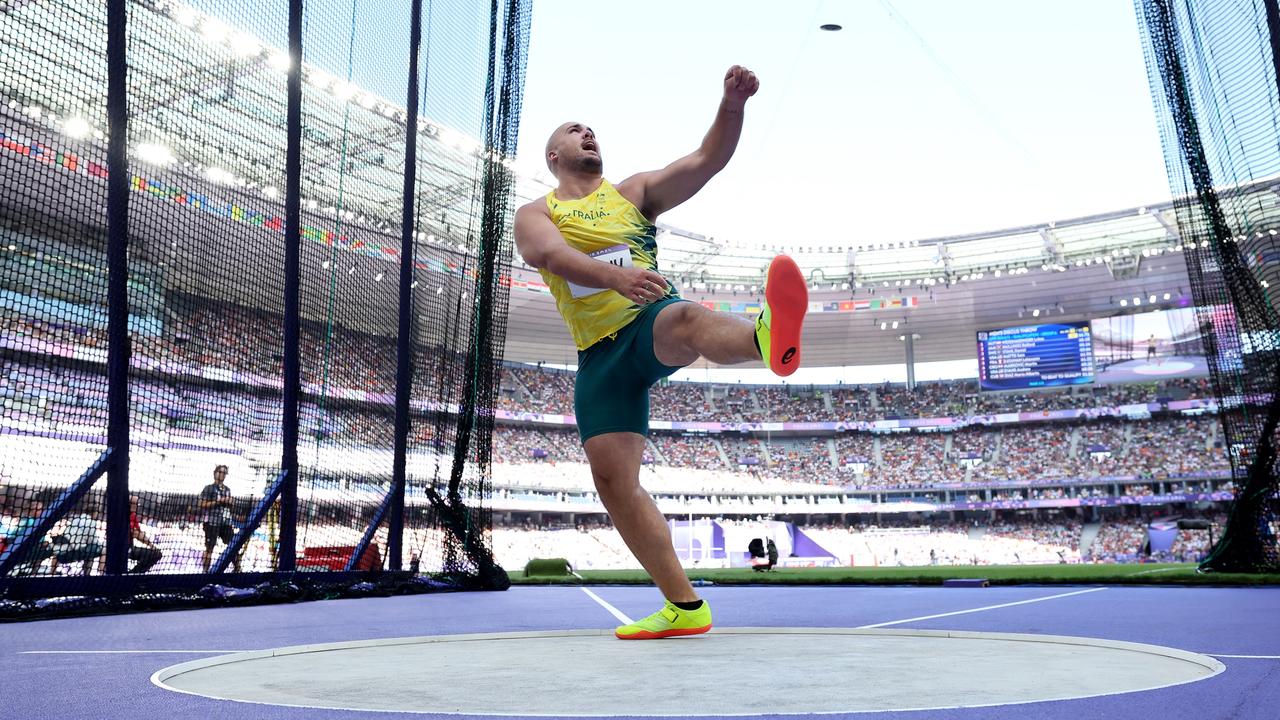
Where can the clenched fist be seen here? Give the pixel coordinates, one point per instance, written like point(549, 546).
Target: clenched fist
point(640, 286)
point(740, 84)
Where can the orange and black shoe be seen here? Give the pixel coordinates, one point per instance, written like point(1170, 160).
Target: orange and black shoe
point(670, 621)
point(786, 300)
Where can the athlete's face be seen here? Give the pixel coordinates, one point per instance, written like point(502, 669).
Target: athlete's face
point(573, 147)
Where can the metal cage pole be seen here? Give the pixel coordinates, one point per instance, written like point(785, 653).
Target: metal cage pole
point(287, 552)
point(404, 341)
point(117, 497)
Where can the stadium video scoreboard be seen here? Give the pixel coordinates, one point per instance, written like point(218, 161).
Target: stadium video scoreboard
point(1035, 356)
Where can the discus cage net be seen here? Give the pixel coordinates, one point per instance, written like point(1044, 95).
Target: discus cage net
point(254, 295)
point(1213, 74)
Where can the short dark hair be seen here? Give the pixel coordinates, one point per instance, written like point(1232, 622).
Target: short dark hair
point(223, 468)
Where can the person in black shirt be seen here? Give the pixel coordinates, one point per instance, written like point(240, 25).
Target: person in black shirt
point(216, 502)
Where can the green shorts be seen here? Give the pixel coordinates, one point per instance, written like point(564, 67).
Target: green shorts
point(611, 393)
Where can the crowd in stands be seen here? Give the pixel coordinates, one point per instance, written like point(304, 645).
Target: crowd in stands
point(1101, 446)
point(1193, 545)
point(1118, 542)
point(75, 545)
point(914, 460)
point(748, 452)
point(1062, 533)
point(692, 451)
point(892, 544)
point(1031, 454)
point(536, 445)
point(852, 402)
point(889, 543)
point(1034, 454)
point(854, 451)
point(172, 523)
point(735, 399)
point(181, 387)
point(211, 336)
point(798, 456)
point(785, 404)
point(215, 336)
point(926, 400)
point(1163, 447)
point(222, 336)
point(682, 401)
point(204, 335)
point(974, 443)
point(586, 546)
point(549, 392)
point(77, 399)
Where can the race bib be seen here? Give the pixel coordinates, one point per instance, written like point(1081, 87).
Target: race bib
point(619, 255)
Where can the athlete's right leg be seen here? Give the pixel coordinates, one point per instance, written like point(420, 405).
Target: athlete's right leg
point(684, 331)
point(615, 467)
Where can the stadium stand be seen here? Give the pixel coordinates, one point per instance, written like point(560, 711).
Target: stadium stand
point(541, 476)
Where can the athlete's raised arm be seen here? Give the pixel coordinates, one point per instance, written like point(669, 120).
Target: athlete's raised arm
point(661, 190)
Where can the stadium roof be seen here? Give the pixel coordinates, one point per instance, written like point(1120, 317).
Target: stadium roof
point(211, 99)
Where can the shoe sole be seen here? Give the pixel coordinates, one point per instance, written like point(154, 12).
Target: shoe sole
point(646, 635)
point(788, 299)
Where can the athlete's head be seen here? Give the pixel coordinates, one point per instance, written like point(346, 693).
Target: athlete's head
point(573, 147)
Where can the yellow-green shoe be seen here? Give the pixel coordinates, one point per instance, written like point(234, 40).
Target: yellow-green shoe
point(670, 621)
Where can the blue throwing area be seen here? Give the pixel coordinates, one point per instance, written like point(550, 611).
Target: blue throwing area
point(107, 667)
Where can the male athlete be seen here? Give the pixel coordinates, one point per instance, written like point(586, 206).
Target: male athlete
point(594, 244)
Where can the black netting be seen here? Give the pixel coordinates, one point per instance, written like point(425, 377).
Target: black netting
point(1213, 73)
point(205, 152)
point(463, 293)
point(53, 286)
point(353, 160)
point(209, 419)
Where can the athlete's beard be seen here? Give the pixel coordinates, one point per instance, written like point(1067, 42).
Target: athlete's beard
point(589, 164)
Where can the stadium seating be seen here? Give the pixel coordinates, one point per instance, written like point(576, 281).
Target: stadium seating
point(701, 473)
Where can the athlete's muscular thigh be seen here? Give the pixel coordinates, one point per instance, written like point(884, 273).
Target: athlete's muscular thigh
point(671, 332)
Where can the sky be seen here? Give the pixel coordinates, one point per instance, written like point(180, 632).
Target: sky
point(920, 119)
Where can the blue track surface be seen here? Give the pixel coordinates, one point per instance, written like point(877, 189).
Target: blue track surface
point(1213, 621)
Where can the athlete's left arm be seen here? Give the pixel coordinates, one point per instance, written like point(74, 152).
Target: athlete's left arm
point(661, 190)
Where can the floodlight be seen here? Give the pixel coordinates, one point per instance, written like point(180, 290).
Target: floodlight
point(76, 128)
point(154, 153)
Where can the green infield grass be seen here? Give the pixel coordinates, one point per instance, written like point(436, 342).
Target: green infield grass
point(1133, 574)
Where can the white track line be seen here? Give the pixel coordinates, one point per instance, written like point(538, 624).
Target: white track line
point(1245, 657)
point(981, 609)
point(129, 652)
point(1149, 572)
point(612, 610)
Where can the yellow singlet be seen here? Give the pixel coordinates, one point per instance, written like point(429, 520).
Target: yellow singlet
point(608, 227)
